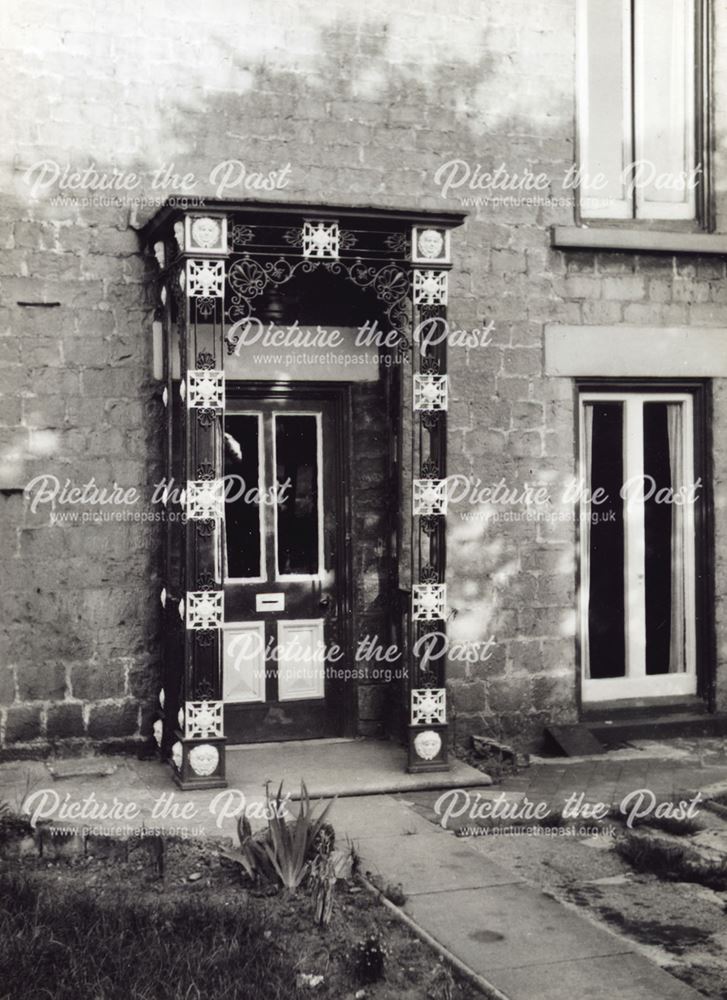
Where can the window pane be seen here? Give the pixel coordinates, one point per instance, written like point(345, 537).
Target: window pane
point(296, 455)
point(604, 102)
point(242, 509)
point(607, 651)
point(664, 70)
point(664, 539)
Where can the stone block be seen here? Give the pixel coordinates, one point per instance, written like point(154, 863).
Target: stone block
point(41, 680)
point(22, 724)
point(550, 693)
point(60, 843)
point(7, 685)
point(510, 694)
point(627, 287)
point(522, 361)
point(109, 848)
point(467, 697)
point(98, 679)
point(110, 720)
point(65, 720)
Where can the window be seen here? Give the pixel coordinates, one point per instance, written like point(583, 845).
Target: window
point(244, 472)
point(298, 515)
point(638, 544)
point(639, 128)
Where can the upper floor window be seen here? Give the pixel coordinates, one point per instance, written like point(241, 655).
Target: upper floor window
point(639, 123)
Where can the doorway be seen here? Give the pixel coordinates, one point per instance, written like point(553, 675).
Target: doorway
point(286, 642)
point(640, 540)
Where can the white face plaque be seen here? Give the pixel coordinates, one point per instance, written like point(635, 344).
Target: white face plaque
point(430, 246)
point(205, 233)
point(203, 759)
point(427, 744)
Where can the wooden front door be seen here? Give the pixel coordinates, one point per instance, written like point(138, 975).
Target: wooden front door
point(285, 654)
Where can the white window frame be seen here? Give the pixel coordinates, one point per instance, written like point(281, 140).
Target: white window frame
point(621, 208)
point(637, 683)
point(634, 205)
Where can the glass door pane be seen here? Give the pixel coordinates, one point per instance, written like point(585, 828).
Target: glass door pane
point(298, 511)
point(666, 543)
point(243, 465)
point(606, 612)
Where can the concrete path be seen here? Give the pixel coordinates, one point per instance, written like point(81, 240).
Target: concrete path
point(522, 942)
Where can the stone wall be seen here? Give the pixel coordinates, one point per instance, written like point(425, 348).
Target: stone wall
point(366, 103)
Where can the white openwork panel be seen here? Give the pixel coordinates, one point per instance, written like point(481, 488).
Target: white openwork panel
point(320, 239)
point(203, 720)
point(243, 669)
point(431, 392)
point(205, 278)
point(427, 744)
point(430, 246)
point(301, 659)
point(428, 706)
point(205, 389)
point(205, 499)
point(204, 759)
point(206, 233)
point(430, 288)
point(428, 601)
point(205, 609)
point(430, 496)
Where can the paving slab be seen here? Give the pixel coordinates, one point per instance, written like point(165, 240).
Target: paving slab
point(509, 926)
point(431, 863)
point(382, 816)
point(625, 977)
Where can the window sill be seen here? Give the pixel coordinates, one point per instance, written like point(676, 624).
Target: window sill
point(636, 241)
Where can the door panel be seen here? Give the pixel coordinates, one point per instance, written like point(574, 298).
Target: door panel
point(300, 660)
point(244, 662)
point(284, 567)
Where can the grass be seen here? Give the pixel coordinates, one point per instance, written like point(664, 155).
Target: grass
point(90, 927)
point(59, 943)
point(673, 863)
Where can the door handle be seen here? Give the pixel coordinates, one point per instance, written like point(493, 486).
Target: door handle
point(325, 601)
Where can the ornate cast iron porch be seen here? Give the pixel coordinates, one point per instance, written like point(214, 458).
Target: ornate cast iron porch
point(212, 269)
